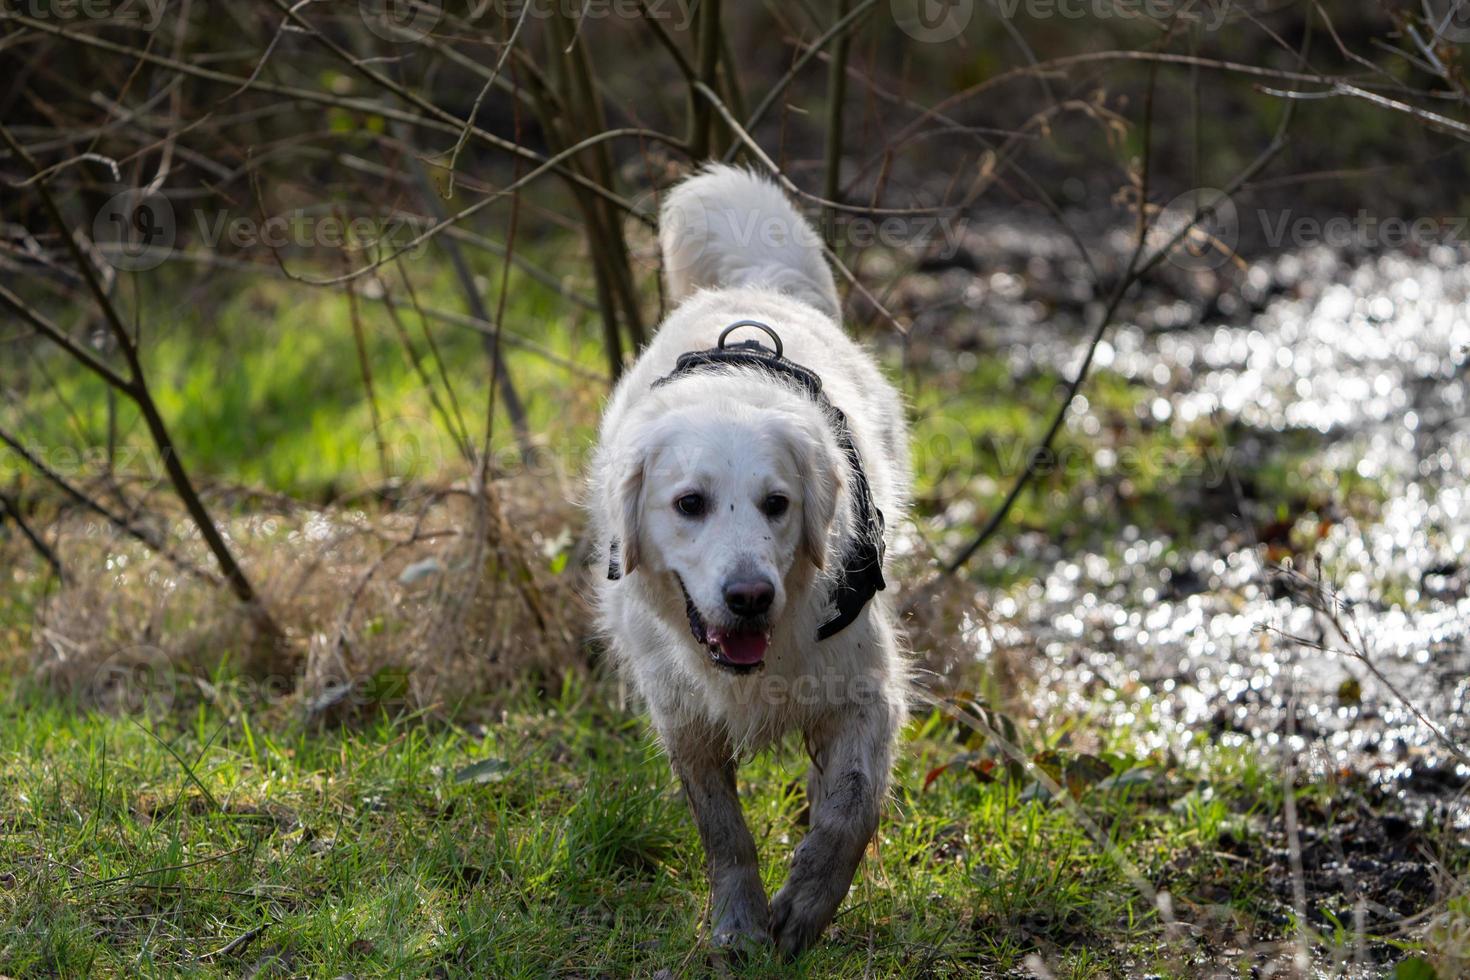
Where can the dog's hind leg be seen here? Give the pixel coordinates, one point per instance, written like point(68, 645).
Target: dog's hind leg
point(851, 754)
point(705, 765)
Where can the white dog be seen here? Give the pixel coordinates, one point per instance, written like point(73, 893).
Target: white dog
point(740, 500)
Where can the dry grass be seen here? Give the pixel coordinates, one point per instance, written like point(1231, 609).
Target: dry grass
point(442, 599)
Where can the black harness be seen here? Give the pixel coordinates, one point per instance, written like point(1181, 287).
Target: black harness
point(862, 566)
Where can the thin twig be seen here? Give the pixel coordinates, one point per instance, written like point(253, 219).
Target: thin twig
point(490, 80)
point(785, 181)
point(1135, 273)
point(9, 508)
point(509, 395)
point(836, 96)
point(439, 119)
point(841, 27)
point(137, 389)
point(237, 944)
point(709, 52)
point(142, 535)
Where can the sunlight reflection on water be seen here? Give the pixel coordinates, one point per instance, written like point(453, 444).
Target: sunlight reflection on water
point(1374, 359)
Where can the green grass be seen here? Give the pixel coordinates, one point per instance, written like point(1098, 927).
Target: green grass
point(150, 843)
point(261, 384)
point(223, 836)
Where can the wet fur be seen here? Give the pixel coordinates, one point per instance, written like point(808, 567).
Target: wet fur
point(734, 248)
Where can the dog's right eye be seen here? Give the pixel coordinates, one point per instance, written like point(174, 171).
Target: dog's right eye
point(690, 505)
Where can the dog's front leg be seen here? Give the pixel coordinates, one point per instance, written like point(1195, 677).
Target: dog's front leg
point(705, 765)
point(851, 754)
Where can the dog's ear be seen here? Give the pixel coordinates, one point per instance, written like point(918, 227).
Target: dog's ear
point(817, 466)
point(628, 511)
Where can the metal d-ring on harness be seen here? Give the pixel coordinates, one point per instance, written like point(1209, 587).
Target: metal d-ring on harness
point(862, 566)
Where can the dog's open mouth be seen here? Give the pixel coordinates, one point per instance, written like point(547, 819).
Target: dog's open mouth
point(739, 651)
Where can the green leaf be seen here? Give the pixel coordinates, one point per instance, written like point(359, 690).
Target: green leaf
point(484, 771)
point(1414, 968)
point(1049, 762)
point(928, 727)
point(1084, 771)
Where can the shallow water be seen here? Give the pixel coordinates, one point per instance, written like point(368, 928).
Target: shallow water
point(1369, 357)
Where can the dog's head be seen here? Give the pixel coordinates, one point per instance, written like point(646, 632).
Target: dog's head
point(736, 505)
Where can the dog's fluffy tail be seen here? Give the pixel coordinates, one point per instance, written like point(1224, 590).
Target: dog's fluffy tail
point(727, 227)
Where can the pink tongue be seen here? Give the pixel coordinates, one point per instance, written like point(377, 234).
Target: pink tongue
point(740, 648)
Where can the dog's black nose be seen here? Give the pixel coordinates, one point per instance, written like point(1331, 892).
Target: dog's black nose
point(749, 597)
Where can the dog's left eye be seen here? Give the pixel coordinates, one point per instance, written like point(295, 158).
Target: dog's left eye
point(690, 505)
point(775, 505)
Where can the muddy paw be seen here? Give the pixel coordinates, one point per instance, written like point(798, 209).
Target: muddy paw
point(741, 942)
point(743, 925)
point(796, 922)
